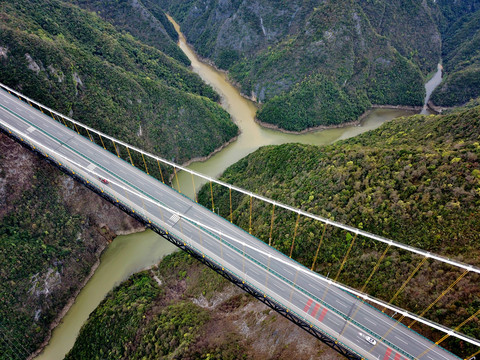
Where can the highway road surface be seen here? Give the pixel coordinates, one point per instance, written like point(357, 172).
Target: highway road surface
point(311, 297)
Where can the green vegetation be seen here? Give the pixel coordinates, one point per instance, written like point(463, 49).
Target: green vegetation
point(461, 57)
point(73, 61)
point(148, 26)
point(415, 180)
point(103, 75)
point(119, 316)
point(141, 319)
point(314, 64)
point(316, 101)
point(46, 249)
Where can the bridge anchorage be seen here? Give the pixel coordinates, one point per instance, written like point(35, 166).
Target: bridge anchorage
point(347, 319)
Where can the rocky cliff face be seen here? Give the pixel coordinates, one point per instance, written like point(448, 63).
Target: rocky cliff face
point(183, 310)
point(271, 46)
point(53, 232)
point(215, 27)
point(332, 59)
point(461, 55)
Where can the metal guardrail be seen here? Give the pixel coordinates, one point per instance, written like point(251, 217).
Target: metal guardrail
point(349, 290)
point(352, 229)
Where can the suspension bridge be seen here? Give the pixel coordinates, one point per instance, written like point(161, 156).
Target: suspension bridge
point(346, 319)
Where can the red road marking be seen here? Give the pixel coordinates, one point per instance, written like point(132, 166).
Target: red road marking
point(309, 303)
point(322, 315)
point(397, 356)
point(387, 354)
point(315, 310)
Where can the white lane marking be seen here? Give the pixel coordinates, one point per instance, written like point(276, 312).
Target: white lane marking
point(406, 332)
point(370, 321)
point(30, 129)
point(340, 302)
point(340, 295)
point(91, 167)
point(403, 341)
point(336, 323)
point(82, 140)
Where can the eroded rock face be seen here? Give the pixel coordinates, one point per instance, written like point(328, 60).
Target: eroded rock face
point(43, 264)
point(32, 64)
point(3, 52)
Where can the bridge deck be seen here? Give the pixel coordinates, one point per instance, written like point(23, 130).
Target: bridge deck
point(311, 298)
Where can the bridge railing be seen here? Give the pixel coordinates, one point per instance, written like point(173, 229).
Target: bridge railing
point(91, 176)
point(358, 232)
point(278, 204)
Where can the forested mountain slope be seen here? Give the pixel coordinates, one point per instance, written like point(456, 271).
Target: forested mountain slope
point(52, 233)
point(415, 180)
point(151, 27)
point(73, 61)
point(324, 62)
point(461, 58)
point(317, 62)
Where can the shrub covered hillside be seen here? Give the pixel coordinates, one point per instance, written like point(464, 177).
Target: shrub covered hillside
point(153, 28)
point(184, 310)
point(415, 180)
point(73, 61)
point(317, 62)
point(461, 57)
point(52, 232)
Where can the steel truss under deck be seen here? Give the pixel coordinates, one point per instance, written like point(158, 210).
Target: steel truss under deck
point(200, 257)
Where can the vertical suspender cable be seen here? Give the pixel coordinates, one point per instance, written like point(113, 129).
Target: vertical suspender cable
point(145, 163)
point(176, 178)
point(211, 196)
point(345, 258)
point(130, 156)
point(294, 234)
point(271, 226)
point(231, 211)
point(160, 169)
point(377, 265)
point(441, 295)
point(194, 192)
point(116, 150)
point(318, 248)
point(100, 136)
point(250, 218)
point(406, 281)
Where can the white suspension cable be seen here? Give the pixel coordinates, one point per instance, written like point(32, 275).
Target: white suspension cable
point(282, 259)
point(326, 221)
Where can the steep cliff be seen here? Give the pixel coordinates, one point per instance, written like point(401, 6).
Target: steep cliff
point(317, 62)
point(53, 232)
point(73, 61)
point(461, 59)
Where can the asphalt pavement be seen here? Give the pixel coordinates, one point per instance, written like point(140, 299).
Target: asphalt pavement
point(303, 292)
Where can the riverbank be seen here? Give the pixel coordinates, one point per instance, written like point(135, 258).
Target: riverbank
point(265, 125)
point(123, 257)
point(93, 269)
point(206, 157)
point(69, 305)
point(436, 109)
point(357, 122)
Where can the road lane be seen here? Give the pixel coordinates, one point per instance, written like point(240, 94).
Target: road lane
point(278, 273)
